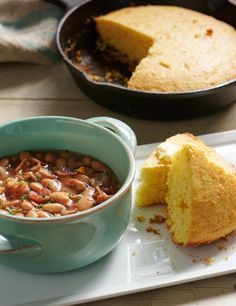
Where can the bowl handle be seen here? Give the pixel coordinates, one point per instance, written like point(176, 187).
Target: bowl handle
point(119, 128)
point(12, 245)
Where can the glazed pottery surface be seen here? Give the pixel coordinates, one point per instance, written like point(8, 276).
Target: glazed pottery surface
point(65, 243)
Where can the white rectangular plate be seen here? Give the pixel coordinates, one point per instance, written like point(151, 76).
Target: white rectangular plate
point(141, 261)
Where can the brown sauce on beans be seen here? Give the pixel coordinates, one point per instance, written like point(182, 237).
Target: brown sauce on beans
point(52, 184)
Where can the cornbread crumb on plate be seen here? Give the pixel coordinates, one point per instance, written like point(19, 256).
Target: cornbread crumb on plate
point(209, 260)
point(177, 49)
point(199, 190)
point(140, 218)
point(157, 219)
point(151, 229)
point(221, 246)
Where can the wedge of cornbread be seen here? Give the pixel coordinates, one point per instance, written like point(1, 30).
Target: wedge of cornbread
point(176, 49)
point(198, 186)
point(153, 175)
point(201, 196)
point(153, 178)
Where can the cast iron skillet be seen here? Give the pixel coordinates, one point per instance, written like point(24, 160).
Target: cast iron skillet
point(77, 31)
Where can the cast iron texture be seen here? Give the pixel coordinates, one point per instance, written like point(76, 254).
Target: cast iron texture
point(77, 31)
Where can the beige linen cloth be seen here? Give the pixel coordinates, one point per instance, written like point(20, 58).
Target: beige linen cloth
point(27, 31)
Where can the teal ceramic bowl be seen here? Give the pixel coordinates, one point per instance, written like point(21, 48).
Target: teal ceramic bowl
point(69, 242)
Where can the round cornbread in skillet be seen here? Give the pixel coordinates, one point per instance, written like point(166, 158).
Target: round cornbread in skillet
point(177, 49)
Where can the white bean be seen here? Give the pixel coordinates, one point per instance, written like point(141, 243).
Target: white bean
point(31, 214)
point(37, 187)
point(85, 203)
point(26, 205)
point(65, 212)
point(60, 197)
point(53, 185)
point(43, 214)
point(53, 208)
point(77, 184)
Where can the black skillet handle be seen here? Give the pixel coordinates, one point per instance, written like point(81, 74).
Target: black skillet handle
point(66, 4)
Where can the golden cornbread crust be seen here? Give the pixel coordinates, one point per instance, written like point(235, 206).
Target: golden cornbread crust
point(208, 211)
point(177, 49)
point(198, 186)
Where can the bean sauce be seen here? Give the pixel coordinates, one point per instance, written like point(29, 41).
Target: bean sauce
point(53, 184)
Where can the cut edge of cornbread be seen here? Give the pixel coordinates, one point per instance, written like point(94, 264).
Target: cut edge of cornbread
point(141, 41)
point(152, 188)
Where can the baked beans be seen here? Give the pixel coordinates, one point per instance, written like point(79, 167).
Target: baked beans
point(53, 184)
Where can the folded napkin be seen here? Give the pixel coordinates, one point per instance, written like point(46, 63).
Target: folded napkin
point(27, 31)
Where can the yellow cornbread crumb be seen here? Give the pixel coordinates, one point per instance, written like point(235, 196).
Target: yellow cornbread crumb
point(209, 260)
point(141, 218)
point(157, 219)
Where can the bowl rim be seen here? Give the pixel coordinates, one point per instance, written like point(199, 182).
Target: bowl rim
point(126, 186)
point(116, 87)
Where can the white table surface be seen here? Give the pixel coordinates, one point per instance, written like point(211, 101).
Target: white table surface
point(30, 90)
